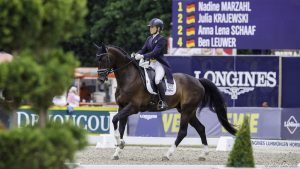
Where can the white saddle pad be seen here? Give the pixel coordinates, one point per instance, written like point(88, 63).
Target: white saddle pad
point(170, 88)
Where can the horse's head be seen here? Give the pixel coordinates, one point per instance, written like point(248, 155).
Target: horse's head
point(112, 59)
point(104, 63)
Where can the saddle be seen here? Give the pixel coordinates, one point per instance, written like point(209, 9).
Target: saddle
point(149, 74)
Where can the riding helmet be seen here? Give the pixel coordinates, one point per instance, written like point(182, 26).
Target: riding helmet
point(156, 22)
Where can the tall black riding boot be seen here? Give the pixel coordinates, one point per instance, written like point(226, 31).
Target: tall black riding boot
point(162, 105)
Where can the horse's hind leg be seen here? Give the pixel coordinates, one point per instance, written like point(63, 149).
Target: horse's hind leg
point(201, 131)
point(184, 120)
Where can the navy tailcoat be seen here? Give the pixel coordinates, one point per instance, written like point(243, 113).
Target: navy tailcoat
point(154, 49)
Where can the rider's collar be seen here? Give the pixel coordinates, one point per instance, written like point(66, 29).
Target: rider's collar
point(154, 35)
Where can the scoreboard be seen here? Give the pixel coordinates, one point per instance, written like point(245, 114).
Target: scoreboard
point(243, 24)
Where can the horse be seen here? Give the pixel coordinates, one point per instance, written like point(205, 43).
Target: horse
point(132, 97)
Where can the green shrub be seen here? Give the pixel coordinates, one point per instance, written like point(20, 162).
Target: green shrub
point(242, 154)
point(2, 126)
point(36, 148)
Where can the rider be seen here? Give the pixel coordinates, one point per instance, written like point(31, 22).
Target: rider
point(153, 50)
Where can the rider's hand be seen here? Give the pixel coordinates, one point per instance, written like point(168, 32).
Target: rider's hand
point(144, 64)
point(138, 56)
point(133, 55)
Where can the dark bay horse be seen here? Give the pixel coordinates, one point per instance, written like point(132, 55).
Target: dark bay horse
point(132, 97)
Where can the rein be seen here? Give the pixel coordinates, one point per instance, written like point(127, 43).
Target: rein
point(106, 71)
point(111, 70)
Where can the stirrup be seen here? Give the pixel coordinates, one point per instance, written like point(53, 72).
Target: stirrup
point(161, 105)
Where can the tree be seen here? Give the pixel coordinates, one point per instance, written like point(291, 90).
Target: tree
point(39, 24)
point(36, 80)
point(62, 20)
point(20, 23)
point(242, 154)
point(38, 28)
point(21, 78)
point(119, 22)
point(57, 74)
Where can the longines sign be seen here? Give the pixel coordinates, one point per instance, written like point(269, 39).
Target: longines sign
point(246, 81)
point(236, 83)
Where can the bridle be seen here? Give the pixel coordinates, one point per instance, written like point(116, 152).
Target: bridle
point(103, 73)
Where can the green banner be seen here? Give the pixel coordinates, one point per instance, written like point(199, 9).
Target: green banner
point(94, 121)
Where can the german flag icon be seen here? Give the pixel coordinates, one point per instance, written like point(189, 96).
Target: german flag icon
point(190, 43)
point(190, 31)
point(191, 8)
point(190, 19)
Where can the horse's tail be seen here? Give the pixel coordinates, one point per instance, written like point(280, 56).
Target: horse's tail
point(215, 101)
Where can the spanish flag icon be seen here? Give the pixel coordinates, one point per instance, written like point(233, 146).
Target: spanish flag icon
point(190, 19)
point(191, 8)
point(190, 43)
point(190, 31)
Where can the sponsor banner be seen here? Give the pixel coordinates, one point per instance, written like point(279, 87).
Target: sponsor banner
point(290, 82)
point(244, 24)
point(264, 123)
point(260, 80)
point(147, 124)
point(246, 81)
point(181, 64)
point(290, 124)
point(96, 122)
point(286, 144)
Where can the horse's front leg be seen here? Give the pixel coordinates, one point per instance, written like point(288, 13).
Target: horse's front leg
point(115, 121)
point(121, 116)
point(122, 125)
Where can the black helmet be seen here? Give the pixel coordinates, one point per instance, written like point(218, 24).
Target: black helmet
point(156, 22)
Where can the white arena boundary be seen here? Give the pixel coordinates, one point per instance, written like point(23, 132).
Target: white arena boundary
point(107, 141)
point(170, 167)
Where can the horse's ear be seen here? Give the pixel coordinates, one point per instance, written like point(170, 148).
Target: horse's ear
point(103, 48)
point(96, 45)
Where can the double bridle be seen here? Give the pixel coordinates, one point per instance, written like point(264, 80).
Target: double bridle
point(103, 73)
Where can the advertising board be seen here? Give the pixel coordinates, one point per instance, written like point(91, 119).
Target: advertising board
point(290, 123)
point(290, 82)
point(95, 121)
point(264, 123)
point(246, 81)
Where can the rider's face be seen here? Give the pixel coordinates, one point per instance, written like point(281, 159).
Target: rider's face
point(153, 30)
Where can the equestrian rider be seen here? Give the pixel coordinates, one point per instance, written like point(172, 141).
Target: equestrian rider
point(153, 50)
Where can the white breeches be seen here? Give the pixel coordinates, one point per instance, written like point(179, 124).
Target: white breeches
point(159, 71)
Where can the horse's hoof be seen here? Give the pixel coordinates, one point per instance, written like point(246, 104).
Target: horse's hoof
point(122, 144)
point(115, 158)
point(165, 158)
point(201, 158)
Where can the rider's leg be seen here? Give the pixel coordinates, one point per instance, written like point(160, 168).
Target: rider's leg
point(159, 74)
point(162, 103)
